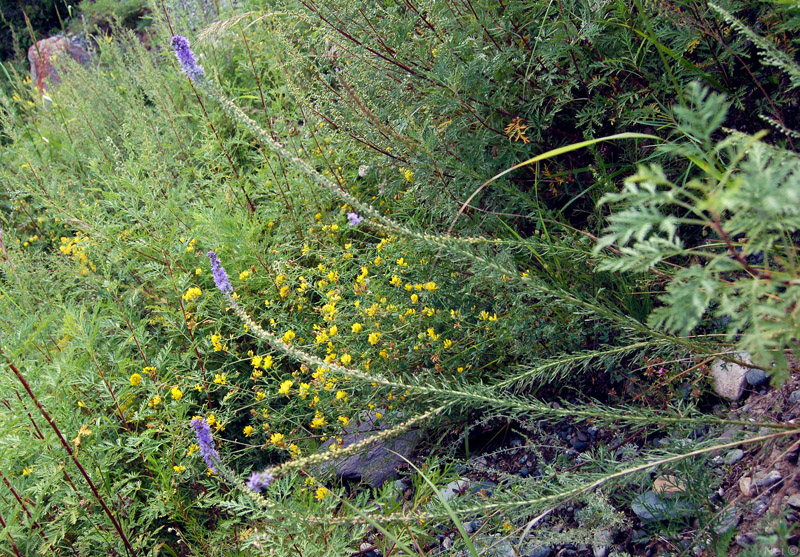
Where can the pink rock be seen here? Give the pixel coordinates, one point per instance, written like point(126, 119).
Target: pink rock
point(43, 55)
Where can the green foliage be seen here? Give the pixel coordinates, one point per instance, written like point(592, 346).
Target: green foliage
point(44, 19)
point(115, 188)
point(101, 15)
point(744, 205)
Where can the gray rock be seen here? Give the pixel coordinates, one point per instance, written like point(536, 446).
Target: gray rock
point(794, 398)
point(483, 487)
point(494, 546)
point(456, 487)
point(447, 543)
point(745, 540)
point(756, 378)
point(602, 543)
point(543, 551)
point(734, 456)
point(472, 526)
point(760, 505)
point(649, 506)
point(730, 378)
point(376, 463)
point(794, 501)
point(727, 520)
point(770, 479)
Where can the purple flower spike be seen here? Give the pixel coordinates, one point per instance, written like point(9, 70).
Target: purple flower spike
point(186, 58)
point(353, 219)
point(206, 443)
point(259, 481)
point(220, 276)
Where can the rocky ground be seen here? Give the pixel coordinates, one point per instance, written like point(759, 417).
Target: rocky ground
point(751, 509)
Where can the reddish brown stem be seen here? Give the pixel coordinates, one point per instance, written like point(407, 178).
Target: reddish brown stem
point(52, 424)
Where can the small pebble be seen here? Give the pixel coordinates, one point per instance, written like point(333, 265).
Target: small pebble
point(524, 472)
point(794, 398)
point(746, 486)
point(760, 506)
point(523, 460)
point(745, 540)
point(593, 430)
point(756, 378)
point(794, 501)
point(770, 479)
point(734, 456)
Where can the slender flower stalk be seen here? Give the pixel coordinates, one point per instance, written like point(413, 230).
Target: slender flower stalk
point(353, 219)
point(259, 481)
point(186, 58)
point(220, 276)
point(206, 443)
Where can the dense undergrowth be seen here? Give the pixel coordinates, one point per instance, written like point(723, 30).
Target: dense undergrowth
point(343, 161)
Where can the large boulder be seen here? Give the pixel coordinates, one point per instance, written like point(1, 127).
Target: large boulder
point(43, 56)
point(378, 462)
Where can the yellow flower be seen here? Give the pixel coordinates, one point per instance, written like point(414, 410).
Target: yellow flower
point(294, 451)
point(341, 395)
point(374, 338)
point(289, 336)
point(346, 359)
point(319, 420)
point(414, 298)
point(320, 494)
point(344, 419)
point(356, 328)
point(260, 395)
point(179, 469)
point(198, 271)
point(215, 342)
point(278, 439)
point(256, 362)
point(248, 431)
point(192, 294)
point(244, 275)
point(284, 291)
point(136, 379)
point(155, 402)
point(430, 286)
point(285, 386)
point(176, 393)
point(303, 393)
point(220, 378)
point(447, 343)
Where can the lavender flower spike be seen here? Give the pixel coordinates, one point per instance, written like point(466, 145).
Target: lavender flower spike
point(353, 219)
point(206, 443)
point(259, 481)
point(186, 58)
point(220, 276)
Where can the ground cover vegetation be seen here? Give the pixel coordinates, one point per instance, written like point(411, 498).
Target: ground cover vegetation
point(461, 218)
